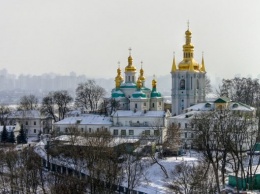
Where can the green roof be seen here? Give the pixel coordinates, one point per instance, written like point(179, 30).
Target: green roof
point(222, 100)
point(139, 94)
point(117, 93)
point(127, 86)
point(155, 94)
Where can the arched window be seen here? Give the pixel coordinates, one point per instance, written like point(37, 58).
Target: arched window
point(182, 84)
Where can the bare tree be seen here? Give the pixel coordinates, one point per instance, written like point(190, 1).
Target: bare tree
point(245, 90)
point(28, 102)
point(208, 87)
point(4, 112)
point(191, 178)
point(172, 143)
point(88, 95)
point(222, 137)
point(56, 102)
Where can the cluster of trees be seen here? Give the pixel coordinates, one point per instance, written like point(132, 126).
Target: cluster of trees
point(225, 138)
point(9, 137)
point(89, 97)
point(97, 155)
point(107, 162)
point(245, 90)
point(6, 137)
point(21, 172)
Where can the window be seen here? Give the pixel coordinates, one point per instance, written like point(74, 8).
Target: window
point(97, 129)
point(66, 130)
point(89, 130)
point(131, 132)
point(115, 132)
point(153, 105)
point(26, 122)
point(34, 130)
point(147, 132)
point(123, 132)
point(192, 135)
point(182, 84)
point(135, 105)
point(186, 125)
point(179, 125)
point(82, 130)
point(185, 134)
point(34, 122)
point(156, 132)
point(160, 103)
point(144, 103)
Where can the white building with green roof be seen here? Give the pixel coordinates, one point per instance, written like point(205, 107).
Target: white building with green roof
point(141, 109)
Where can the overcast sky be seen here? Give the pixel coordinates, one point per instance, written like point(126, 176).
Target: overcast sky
point(90, 37)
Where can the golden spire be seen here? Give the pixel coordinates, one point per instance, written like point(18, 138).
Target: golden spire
point(154, 82)
point(130, 66)
point(174, 68)
point(202, 64)
point(141, 77)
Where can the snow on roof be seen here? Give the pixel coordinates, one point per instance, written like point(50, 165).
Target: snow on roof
point(79, 140)
point(206, 106)
point(201, 106)
point(129, 113)
point(89, 119)
point(189, 115)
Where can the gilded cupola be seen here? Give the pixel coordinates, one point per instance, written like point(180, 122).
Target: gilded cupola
point(141, 76)
point(130, 67)
point(118, 79)
point(154, 93)
point(188, 63)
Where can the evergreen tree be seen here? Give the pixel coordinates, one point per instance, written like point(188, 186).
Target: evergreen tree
point(21, 138)
point(4, 135)
point(11, 138)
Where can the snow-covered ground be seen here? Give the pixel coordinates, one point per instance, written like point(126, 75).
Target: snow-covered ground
point(155, 181)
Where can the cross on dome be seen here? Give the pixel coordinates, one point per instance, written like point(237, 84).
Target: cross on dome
point(130, 51)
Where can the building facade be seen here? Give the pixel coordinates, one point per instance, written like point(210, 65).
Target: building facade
point(188, 79)
point(32, 120)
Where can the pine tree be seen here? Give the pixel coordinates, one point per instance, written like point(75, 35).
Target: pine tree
point(11, 138)
point(4, 135)
point(21, 138)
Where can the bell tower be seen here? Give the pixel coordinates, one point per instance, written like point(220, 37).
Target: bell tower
point(188, 79)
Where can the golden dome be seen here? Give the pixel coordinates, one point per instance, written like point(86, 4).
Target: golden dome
point(141, 77)
point(118, 79)
point(188, 32)
point(139, 84)
point(130, 66)
point(185, 64)
point(188, 63)
point(154, 83)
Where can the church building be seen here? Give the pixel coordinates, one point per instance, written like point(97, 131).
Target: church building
point(132, 93)
point(188, 79)
point(141, 111)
